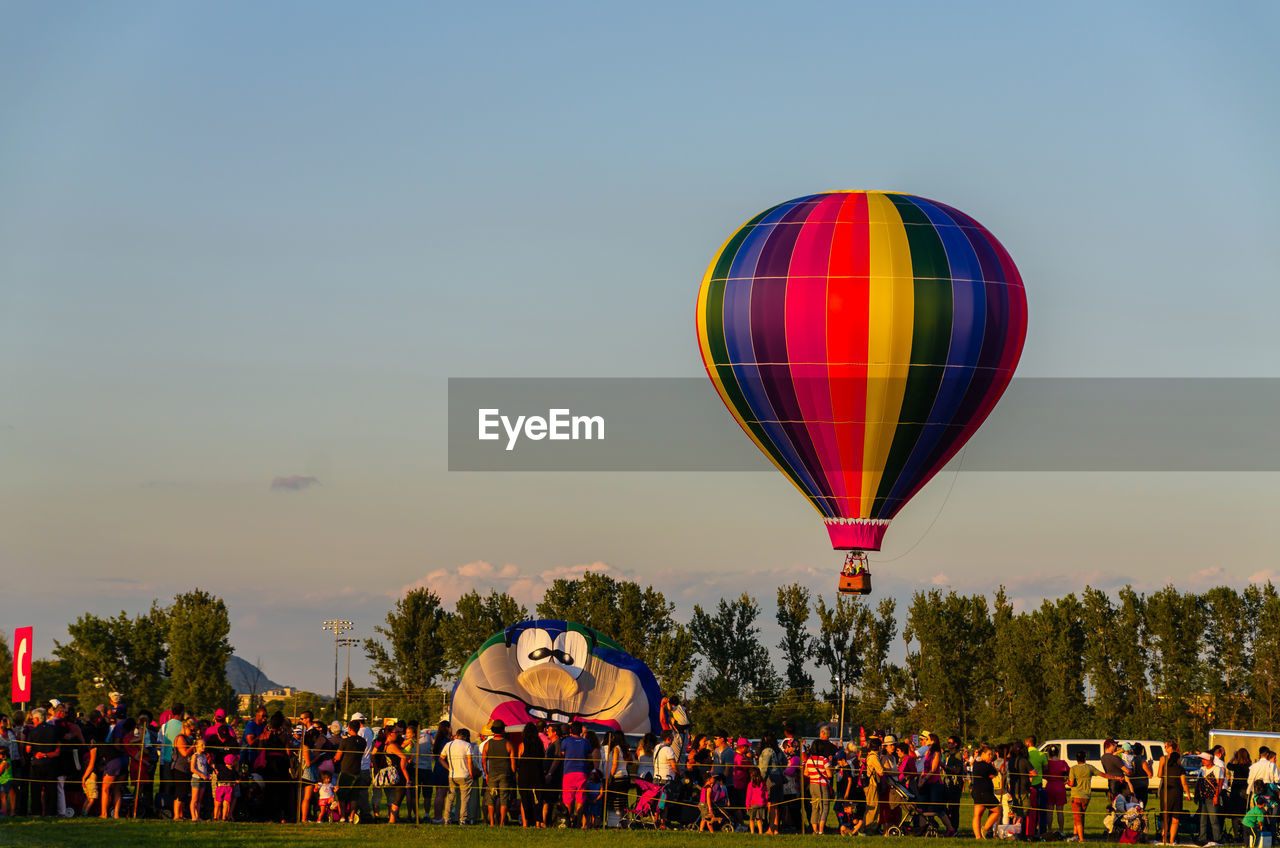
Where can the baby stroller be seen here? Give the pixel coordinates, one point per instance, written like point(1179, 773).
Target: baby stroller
point(915, 820)
point(681, 807)
point(1133, 825)
point(648, 812)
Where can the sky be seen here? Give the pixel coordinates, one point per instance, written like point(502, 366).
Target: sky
point(243, 246)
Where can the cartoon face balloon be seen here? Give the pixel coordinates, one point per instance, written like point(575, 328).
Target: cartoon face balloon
point(556, 670)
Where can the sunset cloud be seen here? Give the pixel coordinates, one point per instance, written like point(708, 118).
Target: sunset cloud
point(295, 483)
point(483, 577)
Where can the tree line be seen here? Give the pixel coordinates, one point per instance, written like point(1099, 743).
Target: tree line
point(1145, 666)
point(1167, 663)
point(170, 653)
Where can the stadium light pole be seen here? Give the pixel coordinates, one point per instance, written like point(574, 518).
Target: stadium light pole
point(338, 626)
point(346, 707)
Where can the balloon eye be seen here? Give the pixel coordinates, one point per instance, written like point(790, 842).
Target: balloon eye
point(534, 647)
point(571, 652)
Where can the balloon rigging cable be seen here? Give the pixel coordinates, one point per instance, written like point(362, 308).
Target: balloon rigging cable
point(941, 507)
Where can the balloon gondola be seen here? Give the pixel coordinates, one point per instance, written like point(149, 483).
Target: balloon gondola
point(855, 577)
point(859, 338)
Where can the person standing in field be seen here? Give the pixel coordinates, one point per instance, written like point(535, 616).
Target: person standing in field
point(498, 761)
point(1080, 782)
point(983, 789)
point(458, 758)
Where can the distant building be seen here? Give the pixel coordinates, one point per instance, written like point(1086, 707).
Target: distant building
point(280, 694)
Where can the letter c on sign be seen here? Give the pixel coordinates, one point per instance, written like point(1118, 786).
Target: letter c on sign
point(22, 641)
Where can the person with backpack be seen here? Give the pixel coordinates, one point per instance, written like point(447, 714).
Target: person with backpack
point(1209, 798)
point(771, 765)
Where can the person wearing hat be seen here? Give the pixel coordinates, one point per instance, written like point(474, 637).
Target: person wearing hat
point(119, 710)
point(744, 762)
point(43, 749)
point(1113, 767)
point(347, 762)
point(1210, 797)
point(498, 762)
point(877, 788)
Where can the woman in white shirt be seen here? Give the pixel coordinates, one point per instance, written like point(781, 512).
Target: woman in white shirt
point(644, 756)
point(618, 778)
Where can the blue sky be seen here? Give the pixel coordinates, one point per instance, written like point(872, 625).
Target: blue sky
point(241, 241)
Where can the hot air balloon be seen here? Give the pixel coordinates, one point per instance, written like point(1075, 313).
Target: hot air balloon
point(860, 338)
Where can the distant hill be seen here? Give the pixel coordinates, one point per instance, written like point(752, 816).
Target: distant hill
point(246, 678)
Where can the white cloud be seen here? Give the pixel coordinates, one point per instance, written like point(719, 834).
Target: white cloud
point(941, 579)
point(1267, 575)
point(527, 588)
point(1212, 574)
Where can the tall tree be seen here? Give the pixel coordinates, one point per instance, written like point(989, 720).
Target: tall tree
point(1264, 677)
point(673, 658)
point(416, 655)
point(641, 620)
point(954, 633)
point(737, 664)
point(1061, 639)
point(796, 644)
point(54, 679)
point(1016, 688)
point(198, 626)
point(1112, 663)
point(838, 648)
point(1132, 659)
point(1174, 625)
point(1229, 654)
point(475, 618)
point(121, 654)
point(6, 654)
point(881, 680)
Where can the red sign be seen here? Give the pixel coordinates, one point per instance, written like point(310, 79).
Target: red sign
point(22, 638)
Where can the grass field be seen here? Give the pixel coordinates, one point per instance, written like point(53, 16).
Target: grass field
point(128, 833)
point(92, 833)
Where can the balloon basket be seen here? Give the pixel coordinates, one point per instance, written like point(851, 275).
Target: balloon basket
point(855, 577)
point(855, 584)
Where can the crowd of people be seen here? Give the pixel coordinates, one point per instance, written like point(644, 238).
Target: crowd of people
point(108, 763)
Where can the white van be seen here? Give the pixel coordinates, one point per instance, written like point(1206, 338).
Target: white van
point(1068, 749)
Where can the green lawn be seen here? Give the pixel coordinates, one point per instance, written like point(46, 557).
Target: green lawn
point(126, 833)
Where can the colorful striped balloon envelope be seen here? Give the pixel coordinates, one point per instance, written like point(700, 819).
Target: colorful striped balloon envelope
point(860, 338)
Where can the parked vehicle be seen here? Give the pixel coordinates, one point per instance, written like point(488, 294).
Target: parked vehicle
point(1250, 740)
point(1067, 749)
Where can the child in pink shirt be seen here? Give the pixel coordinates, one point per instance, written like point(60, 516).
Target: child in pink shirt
point(757, 803)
